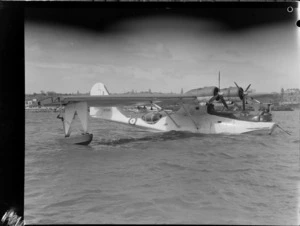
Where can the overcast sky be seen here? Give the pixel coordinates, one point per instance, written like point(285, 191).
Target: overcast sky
point(161, 53)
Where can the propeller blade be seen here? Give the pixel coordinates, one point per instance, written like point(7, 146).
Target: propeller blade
point(219, 80)
point(248, 87)
point(246, 99)
point(255, 100)
point(213, 98)
point(244, 106)
point(224, 102)
point(269, 108)
point(236, 85)
point(158, 107)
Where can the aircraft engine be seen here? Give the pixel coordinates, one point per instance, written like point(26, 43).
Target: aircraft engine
point(204, 92)
point(232, 92)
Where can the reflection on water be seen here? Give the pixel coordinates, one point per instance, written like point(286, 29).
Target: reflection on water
point(127, 175)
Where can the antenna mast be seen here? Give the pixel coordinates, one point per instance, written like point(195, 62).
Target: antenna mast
point(219, 80)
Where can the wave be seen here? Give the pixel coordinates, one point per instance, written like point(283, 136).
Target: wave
point(237, 170)
point(175, 201)
point(171, 165)
point(171, 135)
point(227, 156)
point(66, 203)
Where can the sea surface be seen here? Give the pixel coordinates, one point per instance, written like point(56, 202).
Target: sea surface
point(127, 175)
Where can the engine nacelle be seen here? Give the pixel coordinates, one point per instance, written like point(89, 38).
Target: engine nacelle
point(204, 92)
point(232, 92)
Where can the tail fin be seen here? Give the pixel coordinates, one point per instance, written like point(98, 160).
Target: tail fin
point(99, 89)
point(109, 113)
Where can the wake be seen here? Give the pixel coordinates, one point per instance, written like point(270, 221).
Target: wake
point(165, 136)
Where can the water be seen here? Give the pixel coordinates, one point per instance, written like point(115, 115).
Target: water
point(127, 175)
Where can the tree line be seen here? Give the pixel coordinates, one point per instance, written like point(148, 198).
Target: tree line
point(53, 93)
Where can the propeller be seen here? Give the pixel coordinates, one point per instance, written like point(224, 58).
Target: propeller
point(218, 96)
point(243, 94)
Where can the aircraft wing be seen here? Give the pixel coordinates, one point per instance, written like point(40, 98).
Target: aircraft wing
point(127, 100)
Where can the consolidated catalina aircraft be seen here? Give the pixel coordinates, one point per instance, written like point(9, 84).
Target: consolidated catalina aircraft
point(195, 113)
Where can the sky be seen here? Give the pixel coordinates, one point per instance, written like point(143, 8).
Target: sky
point(164, 52)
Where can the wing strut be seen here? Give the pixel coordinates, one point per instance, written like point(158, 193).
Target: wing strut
point(68, 118)
point(171, 119)
point(81, 108)
point(159, 108)
point(188, 113)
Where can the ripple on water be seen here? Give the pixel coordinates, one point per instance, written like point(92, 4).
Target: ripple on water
point(128, 176)
point(174, 202)
point(166, 165)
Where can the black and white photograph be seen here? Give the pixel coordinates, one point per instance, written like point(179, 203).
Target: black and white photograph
point(162, 114)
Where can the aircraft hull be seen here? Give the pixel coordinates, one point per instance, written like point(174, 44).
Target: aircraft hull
point(191, 120)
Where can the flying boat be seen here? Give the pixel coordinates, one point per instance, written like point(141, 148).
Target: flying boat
point(194, 111)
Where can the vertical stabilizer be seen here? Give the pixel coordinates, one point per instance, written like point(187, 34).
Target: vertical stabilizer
point(99, 89)
point(109, 113)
